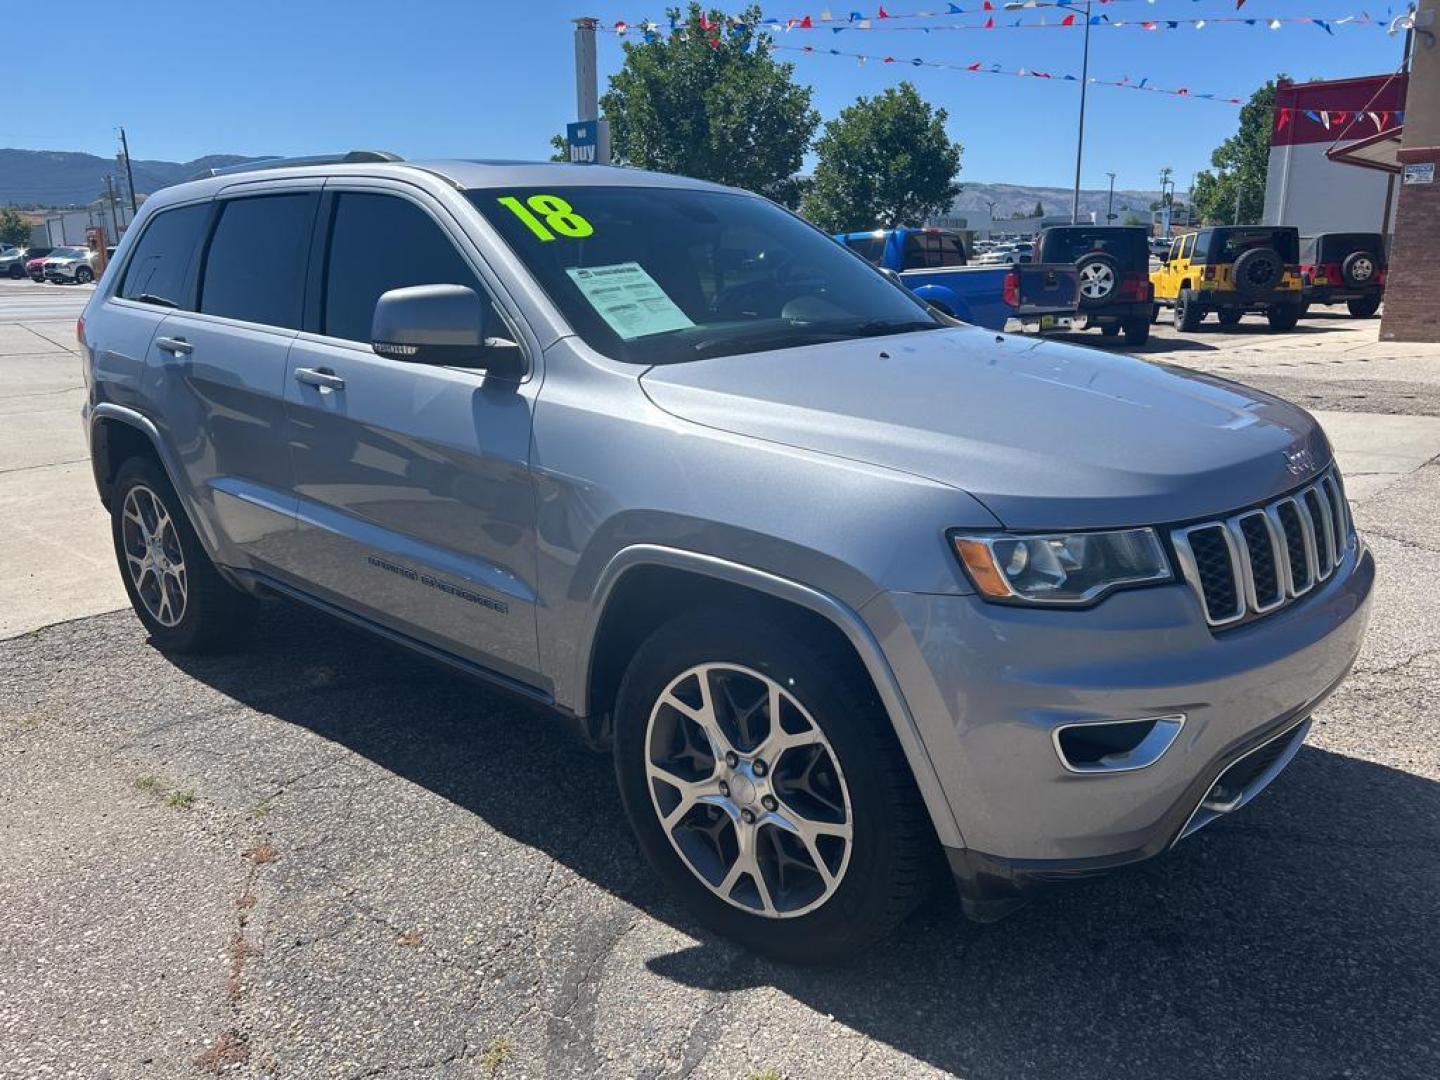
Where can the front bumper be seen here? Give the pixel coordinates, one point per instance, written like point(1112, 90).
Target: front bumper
point(990, 685)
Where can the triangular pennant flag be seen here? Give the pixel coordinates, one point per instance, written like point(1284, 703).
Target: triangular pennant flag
point(883, 13)
point(989, 24)
point(1274, 24)
point(1282, 121)
point(1325, 119)
point(806, 24)
point(621, 28)
point(956, 9)
point(974, 67)
point(1324, 26)
point(1069, 20)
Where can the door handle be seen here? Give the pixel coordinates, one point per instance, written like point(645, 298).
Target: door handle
point(176, 346)
point(323, 378)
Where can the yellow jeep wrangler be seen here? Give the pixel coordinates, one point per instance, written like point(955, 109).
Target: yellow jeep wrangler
point(1231, 269)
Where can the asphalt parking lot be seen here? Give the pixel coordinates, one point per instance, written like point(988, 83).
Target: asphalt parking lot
point(324, 858)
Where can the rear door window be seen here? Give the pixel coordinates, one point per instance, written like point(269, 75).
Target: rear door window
point(378, 243)
point(158, 271)
point(933, 251)
point(255, 265)
point(1335, 247)
point(1126, 246)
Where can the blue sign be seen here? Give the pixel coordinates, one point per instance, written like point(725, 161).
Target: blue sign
point(589, 142)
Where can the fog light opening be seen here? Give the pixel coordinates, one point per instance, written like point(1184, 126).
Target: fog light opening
point(1116, 746)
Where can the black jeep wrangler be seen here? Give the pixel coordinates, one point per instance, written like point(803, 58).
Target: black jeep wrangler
point(1113, 262)
point(1344, 268)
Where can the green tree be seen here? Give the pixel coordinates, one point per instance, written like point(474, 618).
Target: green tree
point(708, 101)
point(1039, 209)
point(1133, 218)
point(1240, 164)
point(13, 229)
point(884, 161)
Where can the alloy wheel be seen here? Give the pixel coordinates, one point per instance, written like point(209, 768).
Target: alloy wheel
point(748, 790)
point(1097, 280)
point(153, 555)
point(1362, 269)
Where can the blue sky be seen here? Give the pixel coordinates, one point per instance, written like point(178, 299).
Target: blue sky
point(478, 79)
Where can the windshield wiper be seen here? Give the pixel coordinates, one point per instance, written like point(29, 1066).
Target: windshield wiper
point(151, 298)
point(776, 339)
point(879, 327)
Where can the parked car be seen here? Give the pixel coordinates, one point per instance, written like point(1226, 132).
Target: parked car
point(75, 265)
point(33, 263)
point(1344, 268)
point(1231, 270)
point(1113, 265)
point(12, 261)
point(843, 586)
point(1160, 246)
point(931, 263)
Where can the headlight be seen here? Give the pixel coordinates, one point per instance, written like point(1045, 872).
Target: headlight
point(1060, 568)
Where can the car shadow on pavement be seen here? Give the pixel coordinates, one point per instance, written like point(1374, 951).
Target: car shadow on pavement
point(1297, 939)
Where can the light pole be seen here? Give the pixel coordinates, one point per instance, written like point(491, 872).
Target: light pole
point(1110, 206)
point(1080, 134)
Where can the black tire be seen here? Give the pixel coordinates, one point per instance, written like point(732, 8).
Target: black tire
point(1283, 316)
point(84, 275)
point(17, 272)
point(214, 614)
point(893, 852)
point(1257, 270)
point(1230, 318)
point(1137, 331)
point(1365, 307)
point(1110, 329)
point(1101, 274)
point(1188, 314)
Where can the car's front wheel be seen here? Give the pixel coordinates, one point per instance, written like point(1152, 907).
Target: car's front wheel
point(84, 275)
point(173, 586)
point(766, 787)
point(17, 272)
point(1188, 313)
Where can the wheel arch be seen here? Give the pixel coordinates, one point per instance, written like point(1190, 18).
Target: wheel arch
point(118, 433)
point(645, 584)
point(947, 300)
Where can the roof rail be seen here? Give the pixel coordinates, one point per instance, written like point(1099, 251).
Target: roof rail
point(351, 157)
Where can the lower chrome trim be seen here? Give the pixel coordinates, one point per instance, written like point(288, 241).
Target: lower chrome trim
point(1208, 811)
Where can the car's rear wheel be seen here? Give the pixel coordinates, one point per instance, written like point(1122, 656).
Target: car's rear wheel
point(1283, 316)
point(17, 272)
point(84, 275)
point(1365, 307)
point(173, 586)
point(765, 785)
point(1188, 313)
point(1137, 331)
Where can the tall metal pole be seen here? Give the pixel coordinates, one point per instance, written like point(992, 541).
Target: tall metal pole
point(114, 210)
point(1110, 206)
point(1080, 135)
point(587, 97)
point(129, 174)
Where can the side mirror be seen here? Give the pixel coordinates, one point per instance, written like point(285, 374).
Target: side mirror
point(892, 276)
point(437, 324)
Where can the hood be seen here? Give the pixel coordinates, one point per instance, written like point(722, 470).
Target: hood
point(1046, 435)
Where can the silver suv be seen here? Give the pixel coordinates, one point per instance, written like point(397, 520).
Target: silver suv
point(847, 586)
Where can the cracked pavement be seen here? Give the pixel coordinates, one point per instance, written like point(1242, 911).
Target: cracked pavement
point(326, 858)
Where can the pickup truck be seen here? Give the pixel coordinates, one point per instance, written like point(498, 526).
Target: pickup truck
point(931, 263)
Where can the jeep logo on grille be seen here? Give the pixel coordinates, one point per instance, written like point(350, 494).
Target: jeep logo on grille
point(1300, 462)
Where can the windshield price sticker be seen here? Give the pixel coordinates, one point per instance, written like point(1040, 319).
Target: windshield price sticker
point(629, 299)
point(557, 214)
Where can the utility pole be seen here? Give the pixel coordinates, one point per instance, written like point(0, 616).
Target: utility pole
point(1110, 206)
point(129, 174)
point(1080, 135)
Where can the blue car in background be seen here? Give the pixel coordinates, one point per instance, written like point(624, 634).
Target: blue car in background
point(932, 264)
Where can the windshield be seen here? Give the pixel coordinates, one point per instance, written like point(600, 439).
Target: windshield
point(655, 275)
point(66, 253)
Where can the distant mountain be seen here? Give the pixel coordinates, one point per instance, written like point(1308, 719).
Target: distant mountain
point(1012, 199)
point(60, 178)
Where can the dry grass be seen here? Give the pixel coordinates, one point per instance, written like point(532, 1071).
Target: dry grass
point(496, 1054)
point(411, 938)
point(181, 800)
point(150, 784)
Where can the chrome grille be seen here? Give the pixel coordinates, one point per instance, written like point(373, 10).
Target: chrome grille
point(1259, 560)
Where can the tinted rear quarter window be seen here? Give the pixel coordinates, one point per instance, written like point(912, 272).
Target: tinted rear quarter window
point(255, 265)
point(379, 243)
point(869, 248)
point(158, 270)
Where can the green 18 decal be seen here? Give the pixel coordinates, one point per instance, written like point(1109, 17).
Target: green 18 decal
point(559, 216)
